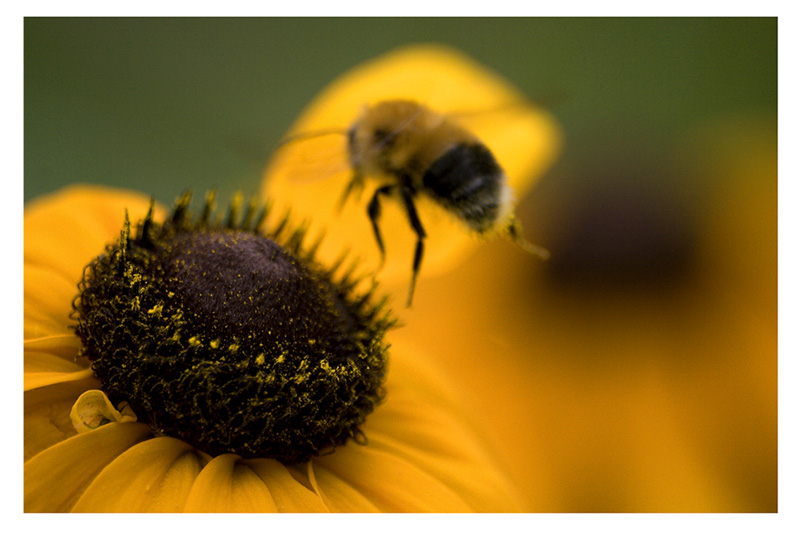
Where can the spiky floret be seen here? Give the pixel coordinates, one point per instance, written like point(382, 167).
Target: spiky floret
point(231, 336)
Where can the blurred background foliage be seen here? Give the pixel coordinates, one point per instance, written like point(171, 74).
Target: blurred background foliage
point(161, 104)
point(636, 370)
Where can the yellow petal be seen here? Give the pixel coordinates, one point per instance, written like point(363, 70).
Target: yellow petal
point(51, 360)
point(421, 455)
point(37, 380)
point(524, 139)
point(225, 485)
point(456, 461)
point(57, 477)
point(48, 301)
point(47, 409)
point(153, 476)
point(384, 480)
point(67, 229)
point(64, 346)
point(93, 409)
point(338, 494)
point(288, 494)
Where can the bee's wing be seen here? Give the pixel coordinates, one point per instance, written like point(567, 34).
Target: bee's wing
point(308, 157)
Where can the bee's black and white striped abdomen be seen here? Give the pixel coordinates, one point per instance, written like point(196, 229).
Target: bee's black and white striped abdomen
point(468, 181)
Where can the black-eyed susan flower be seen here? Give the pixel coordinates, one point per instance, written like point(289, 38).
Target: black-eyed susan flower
point(311, 170)
point(219, 368)
point(101, 435)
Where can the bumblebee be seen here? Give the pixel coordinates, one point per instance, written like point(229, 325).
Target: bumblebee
point(412, 150)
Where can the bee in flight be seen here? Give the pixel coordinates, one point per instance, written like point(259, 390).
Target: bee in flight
point(412, 150)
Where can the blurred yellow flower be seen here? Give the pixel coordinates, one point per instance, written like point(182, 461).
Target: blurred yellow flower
point(660, 398)
point(310, 173)
point(422, 452)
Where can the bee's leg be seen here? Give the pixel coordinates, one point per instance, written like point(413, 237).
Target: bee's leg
point(356, 184)
point(374, 212)
point(416, 224)
point(515, 232)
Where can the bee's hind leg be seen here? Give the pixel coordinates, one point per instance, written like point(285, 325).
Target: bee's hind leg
point(416, 224)
point(374, 213)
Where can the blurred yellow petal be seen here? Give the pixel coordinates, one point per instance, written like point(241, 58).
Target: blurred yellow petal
point(58, 476)
point(309, 175)
point(153, 476)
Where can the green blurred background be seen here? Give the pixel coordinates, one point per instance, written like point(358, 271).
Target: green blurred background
point(634, 371)
point(163, 104)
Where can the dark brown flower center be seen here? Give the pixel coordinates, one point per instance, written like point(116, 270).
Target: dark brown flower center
point(231, 341)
